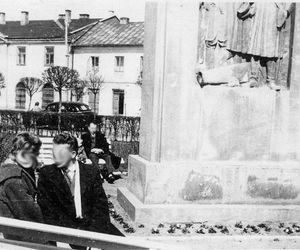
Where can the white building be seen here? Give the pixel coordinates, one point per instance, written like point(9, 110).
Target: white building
point(28, 47)
point(115, 47)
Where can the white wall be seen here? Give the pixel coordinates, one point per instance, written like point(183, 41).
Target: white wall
point(35, 56)
point(34, 67)
point(125, 80)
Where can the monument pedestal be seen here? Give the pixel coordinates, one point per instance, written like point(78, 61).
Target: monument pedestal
point(214, 153)
point(182, 213)
point(211, 191)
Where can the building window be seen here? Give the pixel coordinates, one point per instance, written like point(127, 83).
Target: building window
point(95, 61)
point(20, 96)
point(47, 95)
point(49, 56)
point(118, 102)
point(119, 64)
point(21, 56)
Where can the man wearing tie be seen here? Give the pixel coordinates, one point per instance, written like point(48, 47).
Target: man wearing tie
point(70, 193)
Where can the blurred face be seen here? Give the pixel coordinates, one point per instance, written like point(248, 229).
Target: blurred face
point(63, 155)
point(26, 159)
point(93, 128)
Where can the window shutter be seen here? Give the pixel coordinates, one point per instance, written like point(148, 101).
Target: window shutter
point(47, 95)
point(115, 103)
point(20, 96)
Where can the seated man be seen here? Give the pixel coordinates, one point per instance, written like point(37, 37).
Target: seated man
point(96, 147)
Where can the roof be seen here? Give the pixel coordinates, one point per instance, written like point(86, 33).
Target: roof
point(76, 34)
point(78, 23)
point(83, 31)
point(42, 29)
point(35, 29)
point(111, 32)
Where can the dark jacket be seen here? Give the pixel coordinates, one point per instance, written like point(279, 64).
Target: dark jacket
point(57, 203)
point(17, 196)
point(101, 142)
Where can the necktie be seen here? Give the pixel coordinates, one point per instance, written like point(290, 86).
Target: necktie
point(70, 178)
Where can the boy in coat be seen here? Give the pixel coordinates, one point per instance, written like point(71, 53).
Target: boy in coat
point(70, 193)
point(17, 183)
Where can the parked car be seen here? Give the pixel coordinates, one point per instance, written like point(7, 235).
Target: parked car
point(72, 114)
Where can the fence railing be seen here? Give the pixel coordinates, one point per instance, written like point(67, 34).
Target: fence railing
point(115, 128)
point(44, 232)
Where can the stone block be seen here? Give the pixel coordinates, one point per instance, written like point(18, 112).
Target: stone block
point(218, 213)
point(214, 182)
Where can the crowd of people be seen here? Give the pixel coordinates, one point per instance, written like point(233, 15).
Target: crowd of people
point(68, 193)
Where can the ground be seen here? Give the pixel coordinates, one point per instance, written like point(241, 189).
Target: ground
point(206, 235)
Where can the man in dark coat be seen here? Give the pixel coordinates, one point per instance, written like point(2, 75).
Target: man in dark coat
point(96, 147)
point(17, 184)
point(76, 201)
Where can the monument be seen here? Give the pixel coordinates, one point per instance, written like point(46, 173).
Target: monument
point(226, 150)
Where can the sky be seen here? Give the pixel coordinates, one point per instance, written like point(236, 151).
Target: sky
point(49, 9)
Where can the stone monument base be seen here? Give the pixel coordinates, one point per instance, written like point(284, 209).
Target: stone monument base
point(157, 213)
point(211, 190)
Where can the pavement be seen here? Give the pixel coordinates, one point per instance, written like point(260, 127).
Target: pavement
point(277, 238)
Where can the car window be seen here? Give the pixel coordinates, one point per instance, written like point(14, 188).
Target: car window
point(83, 107)
point(72, 108)
point(51, 108)
point(63, 108)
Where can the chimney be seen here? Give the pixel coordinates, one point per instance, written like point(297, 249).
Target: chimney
point(2, 18)
point(124, 20)
point(68, 16)
point(84, 16)
point(24, 17)
point(61, 16)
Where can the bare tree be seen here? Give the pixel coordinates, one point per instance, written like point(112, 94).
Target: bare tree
point(2, 81)
point(94, 82)
point(61, 79)
point(78, 89)
point(31, 85)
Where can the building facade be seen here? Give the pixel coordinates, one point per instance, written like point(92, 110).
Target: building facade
point(28, 47)
point(115, 48)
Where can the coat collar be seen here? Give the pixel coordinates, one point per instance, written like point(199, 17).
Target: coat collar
point(97, 133)
point(12, 169)
point(84, 178)
point(57, 177)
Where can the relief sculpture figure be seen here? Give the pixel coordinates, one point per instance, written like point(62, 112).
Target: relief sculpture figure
point(252, 34)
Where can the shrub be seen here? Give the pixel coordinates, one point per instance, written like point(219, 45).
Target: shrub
point(6, 145)
point(115, 128)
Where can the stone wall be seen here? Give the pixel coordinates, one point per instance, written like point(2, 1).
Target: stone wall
point(210, 152)
point(242, 123)
point(244, 154)
point(215, 182)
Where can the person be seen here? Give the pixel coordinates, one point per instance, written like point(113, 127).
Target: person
point(96, 147)
point(17, 183)
point(70, 193)
point(260, 38)
point(36, 107)
point(81, 156)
